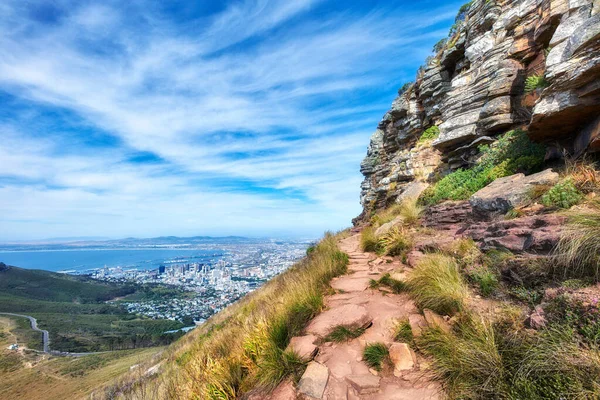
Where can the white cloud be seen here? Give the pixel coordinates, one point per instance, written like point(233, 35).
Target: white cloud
point(303, 102)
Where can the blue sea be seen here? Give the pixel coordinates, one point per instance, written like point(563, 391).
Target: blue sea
point(75, 260)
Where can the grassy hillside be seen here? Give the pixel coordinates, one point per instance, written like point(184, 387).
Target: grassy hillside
point(74, 311)
point(49, 286)
point(31, 376)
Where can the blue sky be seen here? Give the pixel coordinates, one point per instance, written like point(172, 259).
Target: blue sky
point(248, 117)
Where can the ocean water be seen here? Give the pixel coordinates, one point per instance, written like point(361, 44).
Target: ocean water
point(83, 260)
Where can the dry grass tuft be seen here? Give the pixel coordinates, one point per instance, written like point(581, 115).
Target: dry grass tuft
point(410, 211)
point(578, 251)
point(436, 283)
point(396, 242)
point(466, 251)
point(369, 242)
point(584, 175)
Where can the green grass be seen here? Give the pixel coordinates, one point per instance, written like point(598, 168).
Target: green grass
point(513, 152)
point(469, 362)
point(436, 283)
point(484, 278)
point(342, 333)
point(386, 280)
point(375, 355)
point(10, 362)
point(481, 360)
point(403, 332)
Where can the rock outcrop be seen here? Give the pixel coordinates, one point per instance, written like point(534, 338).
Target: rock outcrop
point(474, 89)
point(510, 192)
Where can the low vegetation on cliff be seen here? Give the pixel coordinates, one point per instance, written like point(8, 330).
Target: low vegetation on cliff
point(513, 152)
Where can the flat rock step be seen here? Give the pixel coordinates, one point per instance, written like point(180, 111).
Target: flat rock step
point(349, 315)
point(348, 284)
point(364, 384)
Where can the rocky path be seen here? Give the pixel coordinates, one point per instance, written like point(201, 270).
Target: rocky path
point(338, 372)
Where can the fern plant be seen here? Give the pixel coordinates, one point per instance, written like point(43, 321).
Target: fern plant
point(534, 82)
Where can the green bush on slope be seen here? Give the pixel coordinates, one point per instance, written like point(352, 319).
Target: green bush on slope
point(513, 152)
point(562, 195)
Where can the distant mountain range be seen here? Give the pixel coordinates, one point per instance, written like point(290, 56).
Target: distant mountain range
point(91, 243)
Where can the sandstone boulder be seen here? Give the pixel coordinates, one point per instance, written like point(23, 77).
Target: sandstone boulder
point(537, 319)
point(417, 324)
point(314, 380)
point(509, 192)
point(304, 346)
point(538, 233)
point(435, 320)
point(402, 357)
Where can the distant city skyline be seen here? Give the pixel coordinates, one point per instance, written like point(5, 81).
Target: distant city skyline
point(148, 118)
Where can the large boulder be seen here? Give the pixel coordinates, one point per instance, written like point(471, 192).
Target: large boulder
point(510, 192)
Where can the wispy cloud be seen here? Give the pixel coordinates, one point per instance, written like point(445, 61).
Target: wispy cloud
point(252, 117)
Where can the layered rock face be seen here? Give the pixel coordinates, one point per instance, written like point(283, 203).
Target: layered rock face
point(474, 89)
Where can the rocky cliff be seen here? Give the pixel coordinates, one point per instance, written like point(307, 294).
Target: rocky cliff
point(529, 64)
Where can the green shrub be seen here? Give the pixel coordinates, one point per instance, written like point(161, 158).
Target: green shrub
point(436, 283)
point(484, 278)
point(511, 153)
point(531, 297)
point(534, 82)
point(430, 134)
point(404, 88)
point(462, 12)
point(375, 355)
point(440, 45)
point(562, 195)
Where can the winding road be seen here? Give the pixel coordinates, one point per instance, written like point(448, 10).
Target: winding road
point(45, 335)
point(46, 339)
